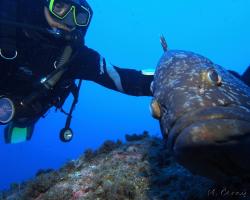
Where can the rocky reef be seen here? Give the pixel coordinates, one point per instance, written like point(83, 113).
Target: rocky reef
point(140, 169)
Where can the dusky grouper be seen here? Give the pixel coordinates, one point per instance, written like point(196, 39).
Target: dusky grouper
point(204, 114)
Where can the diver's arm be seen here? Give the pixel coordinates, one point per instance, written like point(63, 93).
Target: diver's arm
point(95, 68)
point(133, 82)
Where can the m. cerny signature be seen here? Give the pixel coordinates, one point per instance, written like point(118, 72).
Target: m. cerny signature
point(226, 192)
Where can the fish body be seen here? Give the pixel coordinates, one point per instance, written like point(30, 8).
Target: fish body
point(204, 114)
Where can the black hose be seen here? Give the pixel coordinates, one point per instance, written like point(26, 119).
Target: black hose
point(69, 117)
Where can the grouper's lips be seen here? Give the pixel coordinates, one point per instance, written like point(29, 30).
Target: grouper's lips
point(210, 116)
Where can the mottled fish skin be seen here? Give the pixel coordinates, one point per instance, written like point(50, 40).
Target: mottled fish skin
point(205, 120)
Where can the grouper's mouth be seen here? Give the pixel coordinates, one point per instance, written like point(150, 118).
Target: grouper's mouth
point(212, 124)
point(213, 142)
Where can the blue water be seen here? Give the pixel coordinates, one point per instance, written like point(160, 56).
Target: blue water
point(127, 34)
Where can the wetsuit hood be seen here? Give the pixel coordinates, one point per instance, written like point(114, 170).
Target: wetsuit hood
point(29, 15)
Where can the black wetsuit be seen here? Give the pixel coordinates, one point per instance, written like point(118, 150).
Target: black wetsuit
point(89, 65)
point(37, 58)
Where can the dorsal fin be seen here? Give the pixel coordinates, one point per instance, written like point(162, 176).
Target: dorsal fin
point(246, 76)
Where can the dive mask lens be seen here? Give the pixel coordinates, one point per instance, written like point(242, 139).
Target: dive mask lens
point(61, 9)
point(7, 110)
point(81, 16)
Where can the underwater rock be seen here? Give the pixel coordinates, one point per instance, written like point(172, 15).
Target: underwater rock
point(142, 169)
point(135, 137)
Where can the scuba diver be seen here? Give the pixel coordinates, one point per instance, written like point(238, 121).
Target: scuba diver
point(42, 55)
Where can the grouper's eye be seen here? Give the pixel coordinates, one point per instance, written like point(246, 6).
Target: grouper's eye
point(214, 78)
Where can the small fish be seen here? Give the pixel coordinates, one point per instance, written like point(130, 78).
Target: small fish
point(164, 43)
point(204, 114)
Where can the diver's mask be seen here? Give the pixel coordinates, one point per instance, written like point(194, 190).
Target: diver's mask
point(71, 13)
